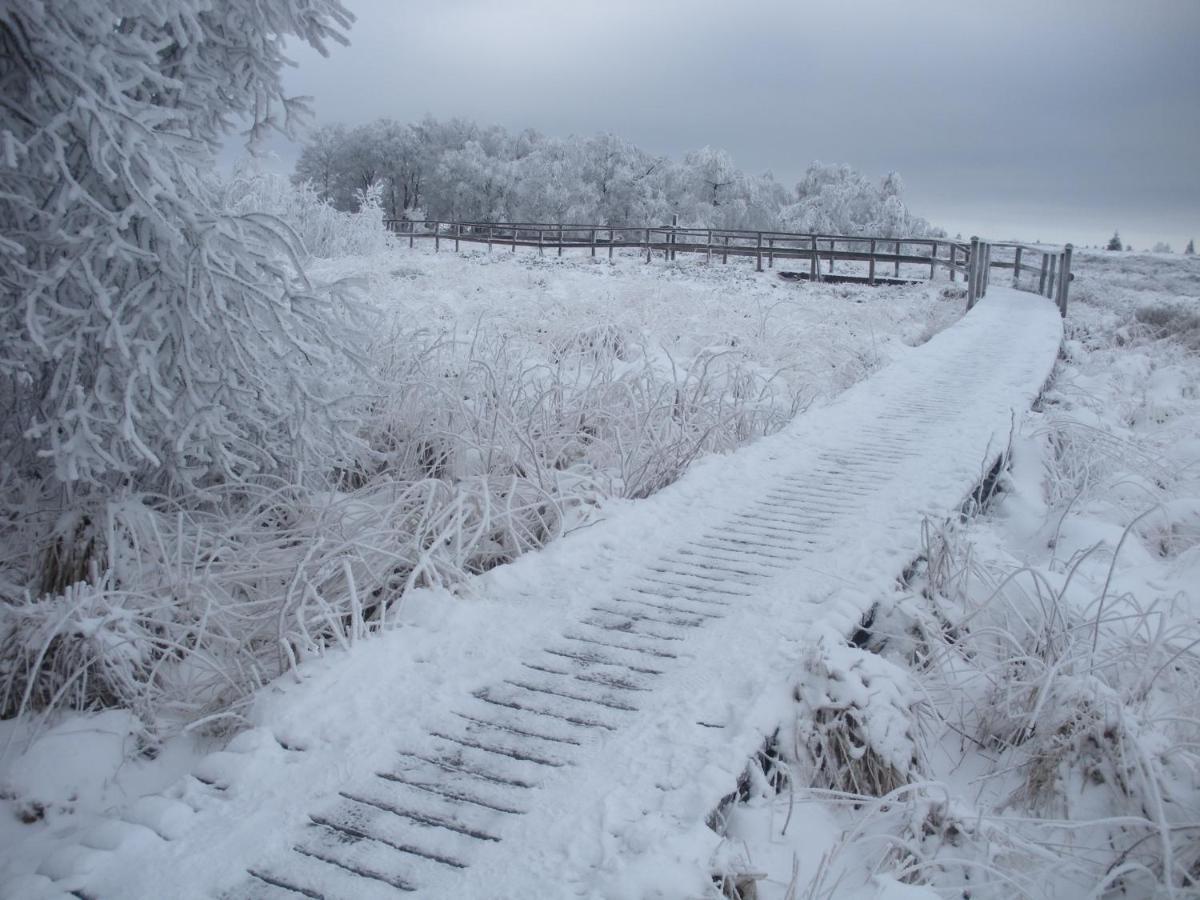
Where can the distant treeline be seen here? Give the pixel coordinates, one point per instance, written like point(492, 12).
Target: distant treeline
point(457, 170)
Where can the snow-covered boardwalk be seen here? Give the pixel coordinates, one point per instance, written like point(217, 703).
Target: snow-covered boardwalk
point(585, 759)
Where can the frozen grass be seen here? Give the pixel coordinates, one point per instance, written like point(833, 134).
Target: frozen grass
point(507, 399)
point(1053, 643)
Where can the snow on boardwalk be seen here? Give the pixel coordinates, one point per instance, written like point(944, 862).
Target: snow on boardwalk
point(581, 754)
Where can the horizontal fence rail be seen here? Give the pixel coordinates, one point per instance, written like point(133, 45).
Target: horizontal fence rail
point(1047, 271)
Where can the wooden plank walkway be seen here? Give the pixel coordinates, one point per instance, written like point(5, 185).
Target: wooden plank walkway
point(659, 684)
point(1046, 270)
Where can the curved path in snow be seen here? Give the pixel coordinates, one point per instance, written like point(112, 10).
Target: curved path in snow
point(583, 758)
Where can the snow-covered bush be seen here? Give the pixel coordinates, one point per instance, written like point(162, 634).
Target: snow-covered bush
point(1090, 705)
point(856, 722)
point(322, 230)
point(153, 344)
point(149, 335)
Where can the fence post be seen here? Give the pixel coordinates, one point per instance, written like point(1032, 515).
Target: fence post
point(1049, 292)
point(611, 240)
point(897, 271)
point(437, 237)
point(1017, 267)
point(671, 238)
point(953, 254)
point(489, 238)
point(871, 265)
point(725, 252)
point(973, 274)
point(758, 251)
point(457, 234)
point(593, 239)
point(560, 240)
point(814, 269)
point(933, 260)
point(541, 245)
point(708, 251)
point(647, 245)
point(1064, 281)
point(770, 253)
point(412, 230)
point(1042, 274)
point(987, 268)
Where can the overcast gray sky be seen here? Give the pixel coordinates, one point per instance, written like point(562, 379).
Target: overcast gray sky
point(1057, 120)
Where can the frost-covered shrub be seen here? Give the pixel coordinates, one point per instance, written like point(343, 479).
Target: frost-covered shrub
point(1173, 320)
point(322, 230)
point(1090, 707)
point(147, 334)
point(856, 721)
point(156, 350)
point(88, 646)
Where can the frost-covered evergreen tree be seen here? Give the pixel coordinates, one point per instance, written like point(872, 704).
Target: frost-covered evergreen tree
point(1114, 242)
point(1190, 249)
point(149, 340)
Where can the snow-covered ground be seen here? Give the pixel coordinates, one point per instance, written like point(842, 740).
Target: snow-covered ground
point(1022, 727)
point(1045, 650)
point(592, 382)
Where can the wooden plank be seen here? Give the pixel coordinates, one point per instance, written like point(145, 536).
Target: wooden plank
point(973, 274)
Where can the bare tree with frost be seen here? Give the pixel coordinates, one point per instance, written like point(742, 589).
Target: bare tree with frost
point(150, 341)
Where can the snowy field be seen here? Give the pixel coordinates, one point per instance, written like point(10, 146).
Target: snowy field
point(517, 397)
point(1041, 656)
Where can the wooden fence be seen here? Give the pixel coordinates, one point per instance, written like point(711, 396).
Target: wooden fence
point(1046, 271)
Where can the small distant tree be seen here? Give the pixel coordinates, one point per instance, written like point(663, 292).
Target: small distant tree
point(1162, 247)
point(1114, 242)
point(1190, 249)
point(1128, 248)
